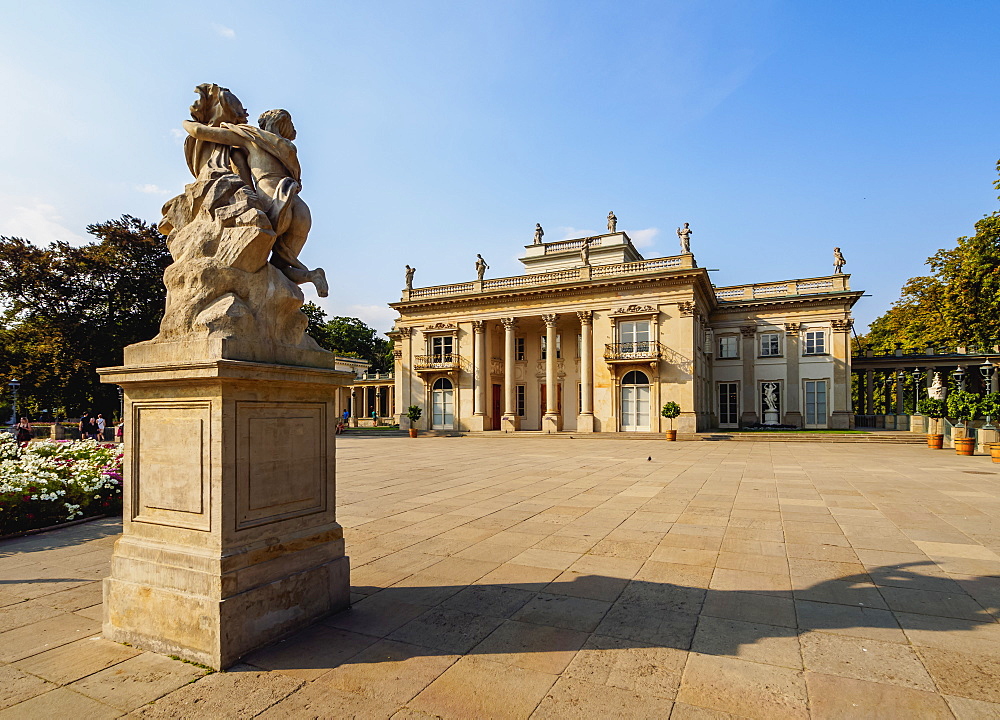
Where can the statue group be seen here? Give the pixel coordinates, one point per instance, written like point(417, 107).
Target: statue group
point(236, 232)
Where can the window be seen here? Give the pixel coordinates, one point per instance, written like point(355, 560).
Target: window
point(729, 346)
point(558, 346)
point(634, 335)
point(519, 349)
point(519, 399)
point(815, 342)
point(769, 346)
point(579, 345)
point(728, 404)
point(441, 347)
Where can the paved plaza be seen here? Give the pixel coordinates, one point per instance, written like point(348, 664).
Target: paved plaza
point(557, 578)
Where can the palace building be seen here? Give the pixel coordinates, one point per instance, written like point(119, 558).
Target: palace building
point(595, 338)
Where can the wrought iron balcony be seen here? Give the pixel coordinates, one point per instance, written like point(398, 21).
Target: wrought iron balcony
point(643, 351)
point(438, 362)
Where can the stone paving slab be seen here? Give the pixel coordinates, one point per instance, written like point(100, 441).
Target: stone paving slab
point(496, 578)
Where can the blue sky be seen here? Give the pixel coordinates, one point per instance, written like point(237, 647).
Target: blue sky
point(430, 131)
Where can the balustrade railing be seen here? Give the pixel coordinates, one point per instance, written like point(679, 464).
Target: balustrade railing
point(443, 361)
point(640, 350)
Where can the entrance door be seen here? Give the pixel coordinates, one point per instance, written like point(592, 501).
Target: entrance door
point(442, 405)
point(497, 408)
point(815, 404)
point(635, 402)
point(728, 405)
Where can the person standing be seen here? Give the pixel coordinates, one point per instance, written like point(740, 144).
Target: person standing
point(101, 424)
point(84, 424)
point(23, 433)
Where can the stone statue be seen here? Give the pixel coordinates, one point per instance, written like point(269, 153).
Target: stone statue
point(236, 233)
point(684, 234)
point(538, 234)
point(585, 252)
point(838, 262)
point(937, 390)
point(612, 222)
point(409, 277)
point(770, 397)
point(481, 267)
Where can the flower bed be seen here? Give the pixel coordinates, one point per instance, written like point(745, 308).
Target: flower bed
point(51, 482)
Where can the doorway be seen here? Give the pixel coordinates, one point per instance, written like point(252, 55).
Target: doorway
point(442, 405)
point(815, 404)
point(635, 402)
point(497, 408)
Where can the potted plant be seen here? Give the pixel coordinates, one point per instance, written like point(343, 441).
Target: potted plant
point(670, 411)
point(413, 413)
point(935, 410)
point(990, 407)
point(964, 406)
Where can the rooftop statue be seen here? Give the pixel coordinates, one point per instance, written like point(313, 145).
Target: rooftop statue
point(838, 261)
point(684, 234)
point(481, 267)
point(236, 232)
point(585, 251)
point(409, 277)
point(612, 222)
point(538, 233)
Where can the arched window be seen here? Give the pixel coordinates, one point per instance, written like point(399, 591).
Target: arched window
point(635, 377)
point(442, 404)
point(635, 401)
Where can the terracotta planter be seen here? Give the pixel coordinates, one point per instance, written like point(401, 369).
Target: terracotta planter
point(995, 452)
point(935, 442)
point(413, 432)
point(965, 446)
point(671, 434)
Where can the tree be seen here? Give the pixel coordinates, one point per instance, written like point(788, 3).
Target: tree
point(69, 310)
point(958, 304)
point(349, 336)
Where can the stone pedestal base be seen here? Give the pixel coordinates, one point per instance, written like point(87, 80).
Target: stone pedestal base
point(841, 420)
point(550, 423)
point(477, 423)
point(510, 423)
point(230, 539)
point(793, 417)
point(748, 418)
point(585, 423)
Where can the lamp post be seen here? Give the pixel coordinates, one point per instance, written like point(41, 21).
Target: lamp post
point(14, 385)
point(987, 371)
point(918, 375)
point(959, 376)
point(901, 389)
point(121, 405)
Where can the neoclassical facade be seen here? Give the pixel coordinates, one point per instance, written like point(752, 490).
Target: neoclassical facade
point(597, 340)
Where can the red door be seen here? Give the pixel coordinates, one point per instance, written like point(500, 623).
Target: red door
point(497, 409)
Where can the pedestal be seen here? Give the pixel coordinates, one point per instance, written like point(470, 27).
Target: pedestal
point(510, 423)
point(230, 538)
point(550, 423)
point(585, 423)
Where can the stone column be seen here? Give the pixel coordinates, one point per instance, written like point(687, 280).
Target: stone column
point(510, 421)
point(480, 377)
point(585, 420)
point(747, 358)
point(404, 371)
point(792, 400)
point(842, 415)
point(550, 421)
point(870, 392)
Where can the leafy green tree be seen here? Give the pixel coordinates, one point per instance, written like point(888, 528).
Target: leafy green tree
point(349, 336)
point(69, 310)
point(957, 304)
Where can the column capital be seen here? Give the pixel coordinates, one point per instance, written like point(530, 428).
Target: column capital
point(550, 319)
point(687, 308)
point(509, 323)
point(397, 354)
point(843, 325)
point(479, 326)
point(792, 329)
point(405, 331)
point(748, 331)
point(586, 316)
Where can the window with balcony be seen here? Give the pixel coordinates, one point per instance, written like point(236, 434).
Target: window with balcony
point(729, 347)
point(815, 343)
point(634, 333)
point(442, 347)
